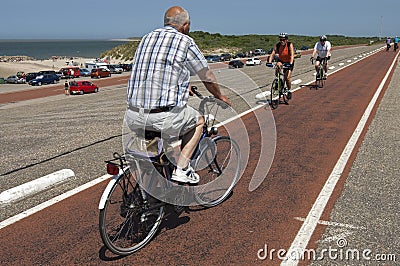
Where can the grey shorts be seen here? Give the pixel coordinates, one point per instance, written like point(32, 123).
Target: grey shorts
point(174, 123)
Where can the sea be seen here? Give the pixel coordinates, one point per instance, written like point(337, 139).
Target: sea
point(45, 49)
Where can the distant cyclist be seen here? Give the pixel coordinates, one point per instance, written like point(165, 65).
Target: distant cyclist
point(388, 41)
point(396, 43)
point(285, 51)
point(322, 49)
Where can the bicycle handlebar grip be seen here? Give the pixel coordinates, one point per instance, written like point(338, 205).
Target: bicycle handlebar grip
point(269, 65)
point(196, 92)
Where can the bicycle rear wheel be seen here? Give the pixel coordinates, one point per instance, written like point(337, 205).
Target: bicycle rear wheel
point(274, 95)
point(219, 177)
point(126, 223)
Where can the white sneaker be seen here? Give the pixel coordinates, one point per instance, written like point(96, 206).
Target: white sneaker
point(186, 176)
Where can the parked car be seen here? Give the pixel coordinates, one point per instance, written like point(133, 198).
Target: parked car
point(213, 58)
point(235, 64)
point(115, 69)
point(296, 53)
point(253, 61)
point(31, 75)
point(15, 79)
point(304, 47)
point(259, 52)
point(85, 72)
point(70, 72)
point(47, 72)
point(60, 74)
point(44, 79)
point(100, 73)
point(225, 57)
point(126, 67)
point(82, 87)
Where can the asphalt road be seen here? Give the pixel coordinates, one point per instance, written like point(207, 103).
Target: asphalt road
point(80, 132)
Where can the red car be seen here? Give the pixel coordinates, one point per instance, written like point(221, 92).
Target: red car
point(82, 87)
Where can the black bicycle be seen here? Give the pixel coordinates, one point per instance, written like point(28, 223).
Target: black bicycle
point(320, 77)
point(135, 201)
point(278, 89)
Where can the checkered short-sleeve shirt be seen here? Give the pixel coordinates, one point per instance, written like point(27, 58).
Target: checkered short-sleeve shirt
point(163, 63)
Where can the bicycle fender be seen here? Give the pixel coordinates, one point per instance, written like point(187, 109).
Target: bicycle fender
point(106, 191)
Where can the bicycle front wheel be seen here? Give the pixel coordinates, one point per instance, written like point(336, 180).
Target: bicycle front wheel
point(274, 95)
point(126, 224)
point(286, 95)
point(319, 79)
point(219, 176)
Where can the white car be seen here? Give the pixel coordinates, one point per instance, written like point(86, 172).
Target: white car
point(15, 79)
point(253, 61)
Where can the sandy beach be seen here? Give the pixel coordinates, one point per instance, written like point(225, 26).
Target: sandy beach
point(11, 68)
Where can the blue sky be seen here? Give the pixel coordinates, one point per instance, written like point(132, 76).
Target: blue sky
point(75, 19)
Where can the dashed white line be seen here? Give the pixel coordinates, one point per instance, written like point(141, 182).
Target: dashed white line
point(34, 186)
point(349, 226)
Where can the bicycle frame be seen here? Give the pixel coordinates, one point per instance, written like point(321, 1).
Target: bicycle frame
point(320, 78)
point(278, 88)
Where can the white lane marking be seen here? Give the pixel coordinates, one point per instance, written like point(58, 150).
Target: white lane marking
point(341, 64)
point(52, 201)
point(303, 236)
point(34, 186)
point(297, 81)
point(264, 94)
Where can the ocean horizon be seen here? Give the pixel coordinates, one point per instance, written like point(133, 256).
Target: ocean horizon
point(46, 48)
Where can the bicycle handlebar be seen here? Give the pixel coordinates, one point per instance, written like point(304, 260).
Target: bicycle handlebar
point(205, 99)
point(284, 65)
point(325, 59)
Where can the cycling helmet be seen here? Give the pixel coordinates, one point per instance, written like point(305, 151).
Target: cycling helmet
point(283, 35)
point(322, 38)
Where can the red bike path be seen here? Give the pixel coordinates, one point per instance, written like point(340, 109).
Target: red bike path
point(311, 134)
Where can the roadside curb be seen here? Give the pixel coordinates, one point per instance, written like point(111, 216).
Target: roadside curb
point(34, 186)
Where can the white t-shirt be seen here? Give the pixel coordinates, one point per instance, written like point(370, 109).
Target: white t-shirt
point(322, 50)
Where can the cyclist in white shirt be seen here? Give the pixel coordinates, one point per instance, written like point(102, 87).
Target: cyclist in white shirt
point(322, 49)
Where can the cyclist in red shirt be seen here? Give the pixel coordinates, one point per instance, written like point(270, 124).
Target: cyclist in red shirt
point(285, 51)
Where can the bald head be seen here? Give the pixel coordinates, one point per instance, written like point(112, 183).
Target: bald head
point(176, 16)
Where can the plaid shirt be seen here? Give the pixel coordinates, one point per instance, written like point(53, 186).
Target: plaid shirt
point(163, 63)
